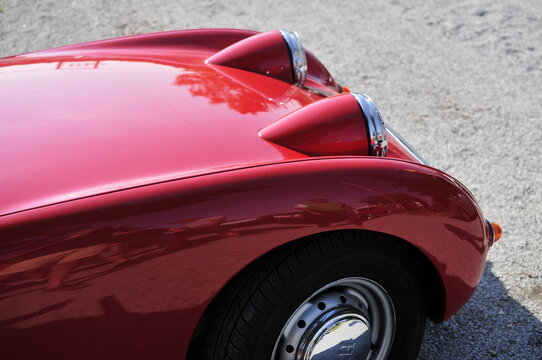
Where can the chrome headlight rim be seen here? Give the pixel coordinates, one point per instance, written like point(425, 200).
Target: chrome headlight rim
point(298, 56)
point(378, 136)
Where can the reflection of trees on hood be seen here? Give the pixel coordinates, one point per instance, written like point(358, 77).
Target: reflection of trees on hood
point(220, 89)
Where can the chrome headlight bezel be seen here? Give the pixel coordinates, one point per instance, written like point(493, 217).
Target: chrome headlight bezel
point(298, 56)
point(378, 136)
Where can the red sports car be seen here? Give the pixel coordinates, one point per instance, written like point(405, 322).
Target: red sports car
point(215, 194)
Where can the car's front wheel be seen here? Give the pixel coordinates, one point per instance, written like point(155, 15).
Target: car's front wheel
point(343, 295)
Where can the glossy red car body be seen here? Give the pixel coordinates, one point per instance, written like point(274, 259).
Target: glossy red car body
point(134, 186)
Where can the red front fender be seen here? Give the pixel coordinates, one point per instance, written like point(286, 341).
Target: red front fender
point(133, 270)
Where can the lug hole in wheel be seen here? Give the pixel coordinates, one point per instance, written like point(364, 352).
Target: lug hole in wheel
point(343, 299)
point(321, 306)
point(301, 324)
point(289, 349)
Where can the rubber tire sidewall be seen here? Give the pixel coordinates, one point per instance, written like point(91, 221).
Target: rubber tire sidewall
point(393, 275)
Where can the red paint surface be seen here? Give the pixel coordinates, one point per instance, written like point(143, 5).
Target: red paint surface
point(150, 189)
point(101, 124)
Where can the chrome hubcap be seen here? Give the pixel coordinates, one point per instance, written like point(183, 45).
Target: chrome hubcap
point(346, 336)
point(352, 318)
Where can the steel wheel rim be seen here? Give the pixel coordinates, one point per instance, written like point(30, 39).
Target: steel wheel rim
point(349, 317)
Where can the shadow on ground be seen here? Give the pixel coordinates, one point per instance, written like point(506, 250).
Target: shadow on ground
point(490, 317)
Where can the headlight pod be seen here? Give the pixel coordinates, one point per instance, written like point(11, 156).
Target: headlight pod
point(346, 124)
point(278, 54)
point(375, 125)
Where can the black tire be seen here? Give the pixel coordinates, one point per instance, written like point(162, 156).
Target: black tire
point(245, 320)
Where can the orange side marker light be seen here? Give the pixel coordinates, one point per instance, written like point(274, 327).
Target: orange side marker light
point(497, 231)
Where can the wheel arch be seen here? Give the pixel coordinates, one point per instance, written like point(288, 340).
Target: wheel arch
point(433, 284)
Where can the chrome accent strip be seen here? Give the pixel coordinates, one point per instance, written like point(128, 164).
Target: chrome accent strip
point(375, 125)
point(298, 56)
point(319, 91)
point(402, 141)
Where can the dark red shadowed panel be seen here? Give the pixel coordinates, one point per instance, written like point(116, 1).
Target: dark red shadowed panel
point(317, 72)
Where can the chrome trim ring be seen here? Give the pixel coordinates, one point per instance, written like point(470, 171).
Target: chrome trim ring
point(298, 56)
point(351, 318)
point(375, 125)
point(409, 148)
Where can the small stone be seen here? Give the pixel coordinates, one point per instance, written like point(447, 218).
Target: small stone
point(493, 352)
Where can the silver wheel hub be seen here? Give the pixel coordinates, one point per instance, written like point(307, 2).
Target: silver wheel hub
point(350, 319)
point(345, 336)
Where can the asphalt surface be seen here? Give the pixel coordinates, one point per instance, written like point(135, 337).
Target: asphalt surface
point(461, 81)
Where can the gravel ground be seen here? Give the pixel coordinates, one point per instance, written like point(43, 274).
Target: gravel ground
point(461, 80)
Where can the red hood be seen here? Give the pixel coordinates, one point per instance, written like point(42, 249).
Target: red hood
point(75, 126)
point(99, 117)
